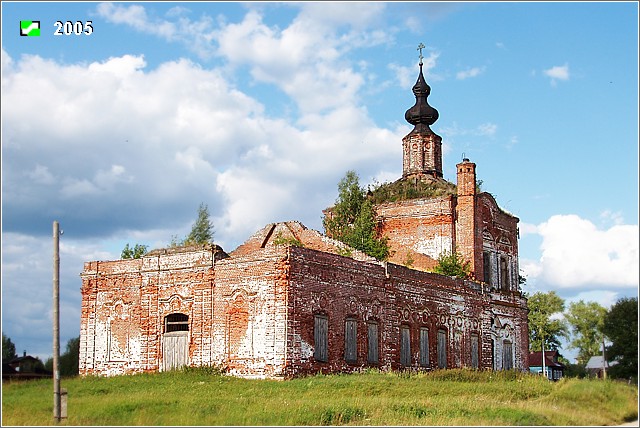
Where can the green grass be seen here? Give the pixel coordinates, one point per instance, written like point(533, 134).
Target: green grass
point(446, 397)
point(403, 189)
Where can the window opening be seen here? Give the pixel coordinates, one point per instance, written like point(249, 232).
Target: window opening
point(504, 274)
point(176, 322)
point(486, 266)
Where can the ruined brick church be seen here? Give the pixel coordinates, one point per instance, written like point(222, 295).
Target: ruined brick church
point(289, 302)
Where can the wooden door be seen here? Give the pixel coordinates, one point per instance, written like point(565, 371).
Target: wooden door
point(175, 350)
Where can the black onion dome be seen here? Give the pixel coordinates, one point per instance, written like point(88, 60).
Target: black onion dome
point(421, 115)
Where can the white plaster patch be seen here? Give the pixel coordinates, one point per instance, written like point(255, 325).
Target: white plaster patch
point(306, 350)
point(433, 247)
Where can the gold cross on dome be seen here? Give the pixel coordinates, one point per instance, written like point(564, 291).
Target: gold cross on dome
point(420, 47)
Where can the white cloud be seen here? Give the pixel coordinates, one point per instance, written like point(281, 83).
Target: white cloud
point(527, 229)
point(513, 141)
point(604, 298)
point(129, 148)
point(488, 129)
point(40, 174)
point(120, 67)
point(406, 75)
point(609, 216)
point(575, 253)
point(558, 72)
point(470, 72)
point(306, 59)
point(194, 35)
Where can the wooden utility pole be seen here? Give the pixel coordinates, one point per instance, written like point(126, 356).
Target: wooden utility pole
point(56, 321)
point(604, 361)
point(544, 369)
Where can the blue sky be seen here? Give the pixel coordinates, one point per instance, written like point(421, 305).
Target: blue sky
point(259, 109)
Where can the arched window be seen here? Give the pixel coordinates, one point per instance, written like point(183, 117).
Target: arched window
point(176, 322)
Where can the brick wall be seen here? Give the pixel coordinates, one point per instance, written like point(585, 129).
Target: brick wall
point(394, 296)
point(418, 230)
point(422, 154)
point(235, 309)
point(253, 312)
point(468, 238)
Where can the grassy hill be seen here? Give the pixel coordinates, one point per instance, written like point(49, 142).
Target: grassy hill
point(444, 397)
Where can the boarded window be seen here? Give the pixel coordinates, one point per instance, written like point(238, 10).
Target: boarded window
point(504, 274)
point(474, 351)
point(442, 349)
point(320, 337)
point(486, 266)
point(176, 322)
point(507, 356)
point(372, 342)
point(405, 346)
point(350, 340)
point(424, 347)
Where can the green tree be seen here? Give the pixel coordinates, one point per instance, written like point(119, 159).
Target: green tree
point(586, 321)
point(621, 328)
point(452, 264)
point(352, 219)
point(133, 253)
point(201, 231)
point(69, 361)
point(8, 349)
point(546, 326)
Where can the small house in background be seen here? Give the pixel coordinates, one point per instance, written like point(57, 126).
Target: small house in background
point(554, 369)
point(25, 367)
point(594, 366)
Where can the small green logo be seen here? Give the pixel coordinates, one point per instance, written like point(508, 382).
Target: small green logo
point(29, 28)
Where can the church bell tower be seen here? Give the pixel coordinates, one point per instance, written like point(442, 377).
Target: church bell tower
point(421, 148)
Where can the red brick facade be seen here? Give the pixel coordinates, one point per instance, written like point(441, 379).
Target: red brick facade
point(471, 223)
point(253, 311)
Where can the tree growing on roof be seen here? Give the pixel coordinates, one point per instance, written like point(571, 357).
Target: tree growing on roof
point(133, 253)
point(352, 219)
point(201, 231)
point(452, 264)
